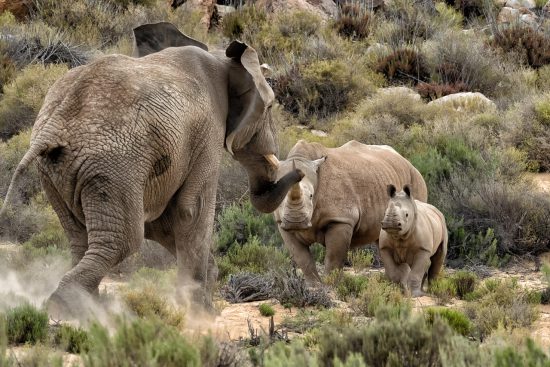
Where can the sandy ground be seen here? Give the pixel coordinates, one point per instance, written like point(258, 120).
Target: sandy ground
point(543, 181)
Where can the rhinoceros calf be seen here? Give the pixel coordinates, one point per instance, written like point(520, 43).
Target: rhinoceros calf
point(341, 200)
point(413, 240)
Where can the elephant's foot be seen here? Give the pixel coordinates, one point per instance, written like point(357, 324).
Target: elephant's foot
point(197, 300)
point(417, 293)
point(70, 302)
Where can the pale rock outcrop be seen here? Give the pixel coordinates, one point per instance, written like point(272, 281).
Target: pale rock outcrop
point(518, 4)
point(325, 9)
point(400, 91)
point(510, 15)
point(470, 101)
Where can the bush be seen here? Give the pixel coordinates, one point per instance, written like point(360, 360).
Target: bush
point(26, 324)
point(140, 343)
point(347, 286)
point(148, 303)
point(443, 289)
point(380, 296)
point(291, 289)
point(465, 283)
point(404, 66)
point(23, 97)
point(399, 342)
point(361, 259)
point(455, 319)
point(501, 302)
point(470, 8)
point(246, 18)
point(528, 355)
point(431, 91)
point(40, 356)
point(318, 88)
point(252, 257)
point(266, 310)
point(353, 22)
point(532, 46)
point(240, 223)
point(71, 339)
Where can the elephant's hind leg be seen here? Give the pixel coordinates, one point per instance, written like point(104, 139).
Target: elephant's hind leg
point(114, 223)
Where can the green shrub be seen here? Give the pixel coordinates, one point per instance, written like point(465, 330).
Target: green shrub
point(456, 319)
point(23, 97)
point(318, 252)
point(291, 355)
point(26, 324)
point(404, 66)
point(140, 343)
point(71, 339)
point(148, 303)
point(361, 259)
point(266, 310)
point(400, 342)
point(381, 297)
point(347, 286)
point(240, 223)
point(252, 257)
point(234, 24)
point(443, 289)
point(40, 356)
point(528, 355)
point(501, 302)
point(465, 283)
point(318, 88)
point(542, 110)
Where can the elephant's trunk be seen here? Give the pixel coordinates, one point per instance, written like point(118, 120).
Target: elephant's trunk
point(266, 196)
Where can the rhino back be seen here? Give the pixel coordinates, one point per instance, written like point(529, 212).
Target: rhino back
point(352, 186)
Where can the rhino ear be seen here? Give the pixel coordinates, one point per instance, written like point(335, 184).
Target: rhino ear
point(318, 162)
point(151, 38)
point(391, 190)
point(407, 189)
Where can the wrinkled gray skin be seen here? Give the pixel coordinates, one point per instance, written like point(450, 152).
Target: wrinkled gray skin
point(130, 148)
point(341, 200)
point(413, 240)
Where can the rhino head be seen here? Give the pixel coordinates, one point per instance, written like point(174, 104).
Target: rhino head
point(400, 212)
point(296, 210)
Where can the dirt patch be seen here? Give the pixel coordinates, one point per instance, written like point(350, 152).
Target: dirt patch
point(542, 181)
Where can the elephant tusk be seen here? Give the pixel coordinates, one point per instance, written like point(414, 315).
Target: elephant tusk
point(272, 160)
point(229, 143)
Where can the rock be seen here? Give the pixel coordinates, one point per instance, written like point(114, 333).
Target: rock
point(470, 101)
point(400, 91)
point(510, 16)
point(546, 10)
point(19, 8)
point(204, 7)
point(325, 9)
point(518, 4)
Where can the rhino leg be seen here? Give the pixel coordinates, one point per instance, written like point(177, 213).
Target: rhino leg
point(337, 243)
point(302, 257)
point(420, 266)
point(398, 273)
point(437, 263)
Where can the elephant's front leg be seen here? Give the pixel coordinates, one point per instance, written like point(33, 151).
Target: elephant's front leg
point(337, 243)
point(421, 263)
point(193, 225)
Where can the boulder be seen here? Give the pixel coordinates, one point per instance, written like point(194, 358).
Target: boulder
point(205, 8)
point(325, 9)
point(400, 91)
point(511, 16)
point(469, 101)
point(518, 4)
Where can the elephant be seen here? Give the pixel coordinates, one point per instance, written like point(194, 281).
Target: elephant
point(413, 240)
point(129, 148)
point(341, 200)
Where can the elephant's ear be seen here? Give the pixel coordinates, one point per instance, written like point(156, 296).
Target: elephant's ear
point(249, 96)
point(151, 38)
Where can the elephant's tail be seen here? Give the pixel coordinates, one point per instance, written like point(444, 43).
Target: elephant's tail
point(34, 151)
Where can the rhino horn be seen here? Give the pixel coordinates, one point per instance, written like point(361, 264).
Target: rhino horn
point(295, 192)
